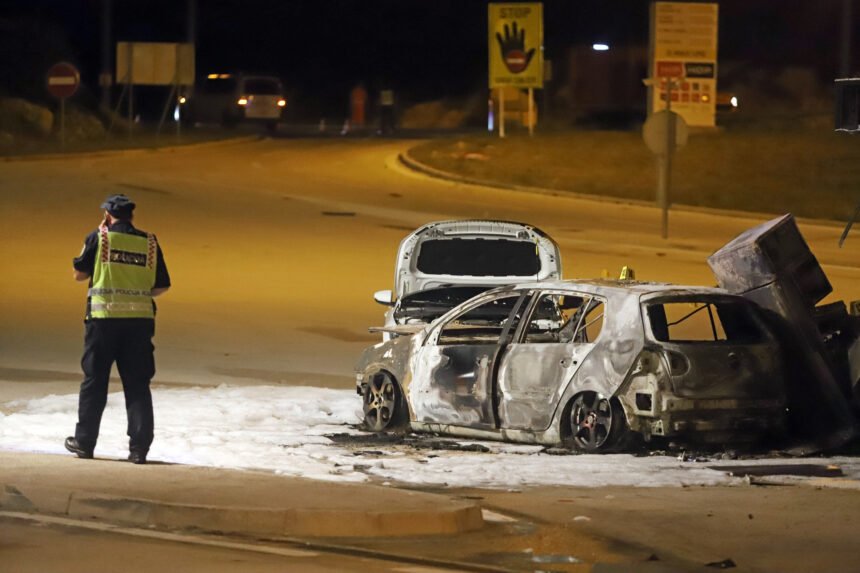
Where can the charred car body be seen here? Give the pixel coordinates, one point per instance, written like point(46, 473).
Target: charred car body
point(583, 364)
point(443, 264)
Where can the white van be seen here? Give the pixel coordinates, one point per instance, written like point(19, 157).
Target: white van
point(442, 264)
point(230, 99)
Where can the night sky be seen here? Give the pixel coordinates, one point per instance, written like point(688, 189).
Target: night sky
point(424, 48)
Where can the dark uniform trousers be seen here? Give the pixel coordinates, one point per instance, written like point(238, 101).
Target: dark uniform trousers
point(128, 342)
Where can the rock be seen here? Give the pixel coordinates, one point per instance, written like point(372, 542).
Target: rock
point(82, 125)
point(22, 117)
point(7, 140)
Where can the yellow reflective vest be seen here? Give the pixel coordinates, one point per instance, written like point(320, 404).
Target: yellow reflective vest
point(124, 276)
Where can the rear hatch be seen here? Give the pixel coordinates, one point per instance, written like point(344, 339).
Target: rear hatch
point(474, 253)
point(717, 347)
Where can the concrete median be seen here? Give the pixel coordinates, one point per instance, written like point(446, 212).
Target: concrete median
point(178, 497)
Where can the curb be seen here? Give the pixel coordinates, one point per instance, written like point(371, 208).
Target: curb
point(291, 522)
point(126, 152)
point(411, 163)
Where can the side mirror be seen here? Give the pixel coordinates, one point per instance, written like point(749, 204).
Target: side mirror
point(383, 297)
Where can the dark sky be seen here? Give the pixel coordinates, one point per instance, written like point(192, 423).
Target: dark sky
point(426, 48)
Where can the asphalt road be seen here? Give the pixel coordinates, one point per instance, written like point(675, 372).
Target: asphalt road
point(276, 246)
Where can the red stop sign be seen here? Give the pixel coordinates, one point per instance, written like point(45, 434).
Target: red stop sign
point(63, 80)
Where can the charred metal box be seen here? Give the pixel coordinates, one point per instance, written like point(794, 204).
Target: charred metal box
point(848, 105)
point(771, 264)
point(772, 252)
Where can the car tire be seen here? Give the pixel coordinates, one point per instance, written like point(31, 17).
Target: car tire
point(595, 424)
point(383, 404)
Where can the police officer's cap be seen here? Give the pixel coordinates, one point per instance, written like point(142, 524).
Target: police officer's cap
point(118, 205)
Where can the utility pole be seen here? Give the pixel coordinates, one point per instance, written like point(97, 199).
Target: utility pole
point(847, 38)
point(191, 24)
point(105, 79)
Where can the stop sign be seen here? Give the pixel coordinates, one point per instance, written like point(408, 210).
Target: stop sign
point(63, 80)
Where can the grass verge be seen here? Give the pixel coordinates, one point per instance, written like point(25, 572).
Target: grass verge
point(811, 174)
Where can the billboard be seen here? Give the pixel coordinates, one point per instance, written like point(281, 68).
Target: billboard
point(684, 52)
point(155, 63)
point(516, 45)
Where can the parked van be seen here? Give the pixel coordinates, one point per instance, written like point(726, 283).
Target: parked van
point(230, 99)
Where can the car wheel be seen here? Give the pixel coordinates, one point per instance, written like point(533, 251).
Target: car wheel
point(597, 424)
point(383, 405)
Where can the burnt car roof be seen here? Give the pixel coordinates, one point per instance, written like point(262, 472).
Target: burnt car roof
point(620, 287)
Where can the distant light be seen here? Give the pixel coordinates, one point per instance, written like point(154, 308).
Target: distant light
point(706, 98)
point(242, 101)
point(734, 101)
point(182, 99)
point(600, 47)
point(212, 77)
point(282, 103)
point(176, 113)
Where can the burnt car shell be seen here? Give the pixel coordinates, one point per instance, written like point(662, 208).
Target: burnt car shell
point(521, 378)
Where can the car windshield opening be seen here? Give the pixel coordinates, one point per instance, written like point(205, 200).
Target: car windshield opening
point(219, 85)
point(262, 87)
point(480, 325)
point(432, 303)
point(704, 321)
point(479, 257)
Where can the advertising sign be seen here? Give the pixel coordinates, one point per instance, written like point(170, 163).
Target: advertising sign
point(684, 52)
point(155, 63)
point(516, 45)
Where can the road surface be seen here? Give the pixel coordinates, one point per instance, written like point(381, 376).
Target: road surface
point(276, 246)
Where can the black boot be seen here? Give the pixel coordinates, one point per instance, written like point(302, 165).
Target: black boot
point(137, 457)
point(73, 446)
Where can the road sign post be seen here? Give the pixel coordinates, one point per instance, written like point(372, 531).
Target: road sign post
point(515, 49)
point(664, 132)
point(62, 82)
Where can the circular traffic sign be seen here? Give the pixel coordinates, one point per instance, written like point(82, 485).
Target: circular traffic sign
point(655, 132)
point(516, 61)
point(63, 80)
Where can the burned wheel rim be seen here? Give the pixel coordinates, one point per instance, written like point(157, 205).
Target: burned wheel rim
point(593, 422)
point(381, 399)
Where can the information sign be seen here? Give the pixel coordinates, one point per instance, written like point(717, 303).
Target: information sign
point(684, 52)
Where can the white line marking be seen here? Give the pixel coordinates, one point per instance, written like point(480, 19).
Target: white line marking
point(161, 535)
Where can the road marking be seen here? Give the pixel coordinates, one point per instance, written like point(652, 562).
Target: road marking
point(160, 535)
point(411, 564)
point(496, 517)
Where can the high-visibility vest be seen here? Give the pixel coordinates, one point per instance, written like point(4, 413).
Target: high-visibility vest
point(124, 276)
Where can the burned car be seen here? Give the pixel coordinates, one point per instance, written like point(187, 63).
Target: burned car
point(582, 364)
point(443, 264)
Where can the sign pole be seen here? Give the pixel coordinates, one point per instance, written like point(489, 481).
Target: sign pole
point(62, 82)
point(502, 113)
point(130, 89)
point(531, 112)
point(665, 163)
point(63, 125)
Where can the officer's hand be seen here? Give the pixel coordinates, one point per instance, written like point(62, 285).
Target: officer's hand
point(513, 46)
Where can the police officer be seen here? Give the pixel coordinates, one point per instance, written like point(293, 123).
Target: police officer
point(126, 269)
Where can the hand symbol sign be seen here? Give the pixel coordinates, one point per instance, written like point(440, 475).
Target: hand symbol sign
point(513, 47)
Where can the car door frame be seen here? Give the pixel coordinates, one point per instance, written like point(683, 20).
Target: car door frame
point(534, 410)
point(437, 403)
